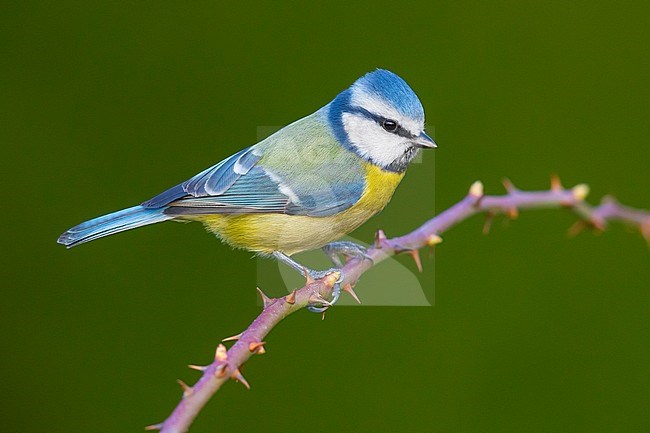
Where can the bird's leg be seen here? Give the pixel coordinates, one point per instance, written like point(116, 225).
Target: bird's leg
point(306, 272)
point(346, 248)
point(314, 275)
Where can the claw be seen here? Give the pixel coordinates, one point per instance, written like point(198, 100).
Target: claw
point(346, 248)
point(314, 309)
point(318, 275)
point(315, 298)
point(336, 293)
point(333, 257)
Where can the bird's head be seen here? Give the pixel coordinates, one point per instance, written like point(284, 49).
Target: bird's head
point(381, 119)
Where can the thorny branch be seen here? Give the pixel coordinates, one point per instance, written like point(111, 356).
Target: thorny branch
point(226, 363)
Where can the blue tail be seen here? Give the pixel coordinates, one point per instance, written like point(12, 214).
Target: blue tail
point(112, 223)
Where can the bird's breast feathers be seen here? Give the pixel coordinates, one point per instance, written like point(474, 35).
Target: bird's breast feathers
point(265, 233)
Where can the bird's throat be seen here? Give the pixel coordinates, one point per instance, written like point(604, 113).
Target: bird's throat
point(400, 164)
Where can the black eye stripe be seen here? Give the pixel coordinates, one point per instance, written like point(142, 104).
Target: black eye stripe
point(403, 132)
point(400, 130)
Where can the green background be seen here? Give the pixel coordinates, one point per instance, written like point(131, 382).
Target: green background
point(104, 104)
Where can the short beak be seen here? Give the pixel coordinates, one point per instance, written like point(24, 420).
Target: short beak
point(423, 141)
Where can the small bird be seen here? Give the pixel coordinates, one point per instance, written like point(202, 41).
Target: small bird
point(303, 187)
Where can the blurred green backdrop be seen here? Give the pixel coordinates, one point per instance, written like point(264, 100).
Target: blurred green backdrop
point(105, 104)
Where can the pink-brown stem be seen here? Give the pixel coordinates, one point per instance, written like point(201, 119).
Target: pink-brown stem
point(227, 363)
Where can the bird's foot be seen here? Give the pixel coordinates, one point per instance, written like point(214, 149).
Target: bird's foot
point(346, 248)
point(322, 305)
point(311, 274)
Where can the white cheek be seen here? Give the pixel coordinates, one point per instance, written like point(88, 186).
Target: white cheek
point(372, 141)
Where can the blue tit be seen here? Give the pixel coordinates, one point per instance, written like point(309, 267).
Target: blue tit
point(303, 187)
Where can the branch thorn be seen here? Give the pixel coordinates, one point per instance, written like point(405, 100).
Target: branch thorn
point(232, 338)
point(512, 213)
point(609, 200)
point(576, 228)
point(489, 218)
point(153, 427)
point(556, 184)
point(644, 228)
point(380, 238)
point(307, 277)
point(291, 298)
point(348, 288)
point(415, 253)
point(221, 354)
point(265, 299)
point(187, 390)
point(257, 347)
point(508, 185)
point(598, 224)
point(238, 377)
point(198, 367)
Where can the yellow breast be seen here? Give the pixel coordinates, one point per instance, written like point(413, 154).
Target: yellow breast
point(265, 233)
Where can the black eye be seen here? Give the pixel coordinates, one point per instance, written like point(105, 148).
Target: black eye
point(389, 125)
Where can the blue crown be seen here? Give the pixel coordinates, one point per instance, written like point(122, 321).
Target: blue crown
point(393, 90)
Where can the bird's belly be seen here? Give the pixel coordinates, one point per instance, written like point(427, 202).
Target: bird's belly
point(265, 233)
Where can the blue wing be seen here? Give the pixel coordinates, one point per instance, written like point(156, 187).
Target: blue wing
point(212, 181)
point(237, 185)
point(259, 191)
point(253, 192)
